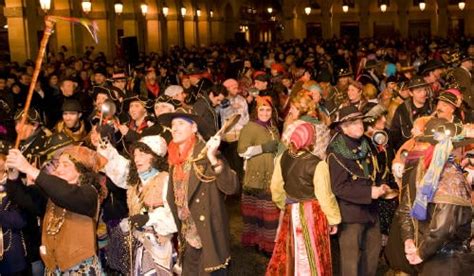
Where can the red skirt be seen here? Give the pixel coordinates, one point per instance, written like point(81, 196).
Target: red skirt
point(260, 218)
point(302, 246)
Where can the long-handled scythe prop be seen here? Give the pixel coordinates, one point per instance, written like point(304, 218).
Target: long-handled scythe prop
point(49, 21)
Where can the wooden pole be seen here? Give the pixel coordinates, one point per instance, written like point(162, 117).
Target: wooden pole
point(49, 25)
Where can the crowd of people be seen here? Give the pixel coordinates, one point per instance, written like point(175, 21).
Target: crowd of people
point(124, 167)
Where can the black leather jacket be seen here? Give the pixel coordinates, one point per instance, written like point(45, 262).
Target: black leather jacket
point(448, 227)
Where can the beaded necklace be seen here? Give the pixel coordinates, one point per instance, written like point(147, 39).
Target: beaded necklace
point(55, 223)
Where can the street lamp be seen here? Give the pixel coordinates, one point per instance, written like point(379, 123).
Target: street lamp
point(45, 5)
point(345, 8)
point(383, 7)
point(269, 9)
point(118, 7)
point(86, 6)
point(183, 11)
point(198, 12)
point(211, 13)
point(461, 5)
point(422, 5)
point(165, 10)
point(144, 8)
point(307, 10)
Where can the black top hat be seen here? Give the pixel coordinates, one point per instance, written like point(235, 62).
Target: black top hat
point(417, 82)
point(346, 114)
point(71, 105)
point(431, 65)
point(344, 72)
point(4, 147)
point(34, 116)
point(203, 128)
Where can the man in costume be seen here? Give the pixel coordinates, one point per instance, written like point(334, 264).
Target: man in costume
point(416, 106)
point(72, 123)
point(199, 181)
point(353, 171)
point(435, 211)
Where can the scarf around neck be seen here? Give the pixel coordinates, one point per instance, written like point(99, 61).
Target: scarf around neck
point(177, 158)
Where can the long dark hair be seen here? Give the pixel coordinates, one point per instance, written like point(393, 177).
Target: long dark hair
point(157, 162)
point(87, 176)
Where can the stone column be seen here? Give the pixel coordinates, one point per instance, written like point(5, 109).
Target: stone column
point(23, 26)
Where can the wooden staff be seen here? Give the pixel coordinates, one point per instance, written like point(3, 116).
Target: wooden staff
point(49, 21)
point(49, 25)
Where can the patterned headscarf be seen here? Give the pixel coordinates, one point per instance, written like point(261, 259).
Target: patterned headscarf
point(264, 101)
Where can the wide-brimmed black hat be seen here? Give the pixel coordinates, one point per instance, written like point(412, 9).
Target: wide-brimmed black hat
point(71, 105)
point(431, 65)
point(117, 93)
point(100, 70)
point(34, 116)
point(148, 104)
point(101, 90)
point(449, 98)
point(417, 82)
point(4, 147)
point(344, 72)
point(436, 127)
point(203, 128)
point(346, 114)
point(168, 100)
point(55, 142)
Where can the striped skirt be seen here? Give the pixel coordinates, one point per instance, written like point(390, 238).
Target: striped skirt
point(260, 216)
point(302, 246)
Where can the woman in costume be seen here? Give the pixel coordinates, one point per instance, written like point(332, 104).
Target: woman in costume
point(69, 242)
point(302, 190)
point(258, 144)
point(146, 178)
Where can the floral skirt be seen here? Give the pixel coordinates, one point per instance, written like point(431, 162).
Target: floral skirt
point(302, 246)
point(90, 267)
point(260, 216)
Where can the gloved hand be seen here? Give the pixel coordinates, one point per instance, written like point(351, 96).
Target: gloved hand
point(397, 170)
point(271, 146)
point(138, 221)
point(251, 152)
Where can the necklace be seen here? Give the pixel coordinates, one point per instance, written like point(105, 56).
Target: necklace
point(55, 223)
